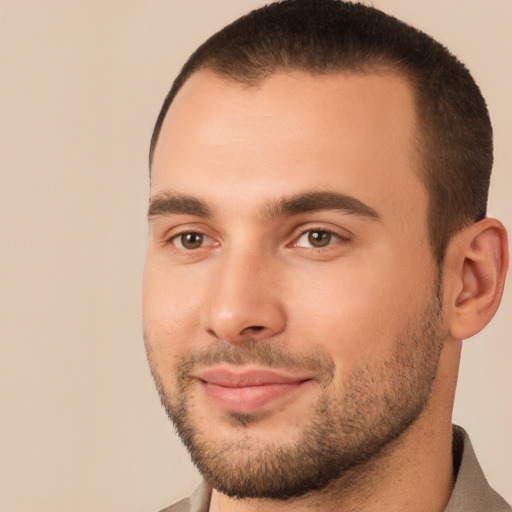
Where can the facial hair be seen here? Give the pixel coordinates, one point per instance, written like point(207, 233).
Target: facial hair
point(352, 421)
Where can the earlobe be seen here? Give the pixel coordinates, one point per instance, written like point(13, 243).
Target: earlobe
point(476, 265)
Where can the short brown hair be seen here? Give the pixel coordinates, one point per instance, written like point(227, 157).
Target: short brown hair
point(328, 36)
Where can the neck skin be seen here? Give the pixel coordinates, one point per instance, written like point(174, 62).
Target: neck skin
point(414, 472)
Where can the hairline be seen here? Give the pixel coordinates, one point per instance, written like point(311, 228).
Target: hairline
point(375, 66)
point(372, 65)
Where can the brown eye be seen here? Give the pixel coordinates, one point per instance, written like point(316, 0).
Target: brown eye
point(319, 238)
point(189, 241)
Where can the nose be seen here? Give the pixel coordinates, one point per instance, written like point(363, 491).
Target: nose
point(244, 299)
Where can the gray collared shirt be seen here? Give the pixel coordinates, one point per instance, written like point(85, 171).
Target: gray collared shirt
point(471, 492)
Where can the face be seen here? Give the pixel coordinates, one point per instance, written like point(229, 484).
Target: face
point(291, 306)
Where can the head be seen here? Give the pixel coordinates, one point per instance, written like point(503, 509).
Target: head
point(317, 172)
point(454, 136)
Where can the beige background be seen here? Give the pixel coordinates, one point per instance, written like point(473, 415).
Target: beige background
point(81, 82)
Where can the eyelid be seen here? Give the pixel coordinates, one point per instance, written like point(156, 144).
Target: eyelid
point(174, 241)
point(340, 233)
point(171, 234)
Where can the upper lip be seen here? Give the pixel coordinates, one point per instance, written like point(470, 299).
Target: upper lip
point(245, 377)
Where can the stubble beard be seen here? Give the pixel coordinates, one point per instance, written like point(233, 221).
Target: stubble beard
point(347, 428)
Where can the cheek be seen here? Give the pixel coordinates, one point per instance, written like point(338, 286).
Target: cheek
point(354, 311)
point(170, 311)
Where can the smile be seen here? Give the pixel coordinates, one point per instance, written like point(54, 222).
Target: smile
point(249, 390)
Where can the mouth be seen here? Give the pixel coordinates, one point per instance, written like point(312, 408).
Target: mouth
point(248, 390)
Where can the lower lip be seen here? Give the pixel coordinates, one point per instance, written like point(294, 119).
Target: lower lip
point(248, 398)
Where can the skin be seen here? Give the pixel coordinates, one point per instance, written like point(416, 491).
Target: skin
point(256, 276)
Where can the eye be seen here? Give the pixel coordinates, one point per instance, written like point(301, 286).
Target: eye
point(190, 240)
point(317, 238)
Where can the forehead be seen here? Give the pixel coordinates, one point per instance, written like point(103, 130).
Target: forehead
point(349, 132)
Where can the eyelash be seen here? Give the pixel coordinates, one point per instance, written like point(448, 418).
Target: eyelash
point(333, 237)
point(179, 236)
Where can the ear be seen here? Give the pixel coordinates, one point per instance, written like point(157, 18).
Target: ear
point(474, 269)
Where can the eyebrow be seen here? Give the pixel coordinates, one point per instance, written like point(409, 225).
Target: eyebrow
point(170, 203)
point(317, 201)
point(173, 203)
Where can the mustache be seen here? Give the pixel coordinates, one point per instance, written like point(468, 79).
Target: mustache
point(261, 352)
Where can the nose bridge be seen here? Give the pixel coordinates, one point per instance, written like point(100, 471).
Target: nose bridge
point(243, 300)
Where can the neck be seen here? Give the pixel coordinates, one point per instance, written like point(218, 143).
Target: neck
point(414, 472)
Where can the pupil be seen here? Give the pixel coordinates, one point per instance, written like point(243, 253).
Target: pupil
point(192, 240)
point(319, 238)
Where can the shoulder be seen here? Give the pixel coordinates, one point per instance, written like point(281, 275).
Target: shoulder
point(472, 492)
point(199, 501)
point(181, 506)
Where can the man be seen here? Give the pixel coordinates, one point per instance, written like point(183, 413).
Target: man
point(318, 249)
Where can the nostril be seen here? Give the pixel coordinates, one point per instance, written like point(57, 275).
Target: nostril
point(254, 328)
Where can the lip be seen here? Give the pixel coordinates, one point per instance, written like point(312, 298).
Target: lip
point(247, 390)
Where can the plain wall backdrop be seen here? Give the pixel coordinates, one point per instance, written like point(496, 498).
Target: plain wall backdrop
point(81, 83)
